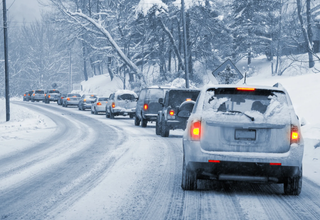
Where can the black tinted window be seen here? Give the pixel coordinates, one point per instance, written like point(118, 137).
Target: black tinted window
point(177, 97)
point(126, 97)
point(53, 91)
point(103, 99)
point(155, 94)
point(39, 92)
point(76, 95)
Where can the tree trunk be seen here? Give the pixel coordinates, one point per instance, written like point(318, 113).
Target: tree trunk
point(84, 62)
point(306, 34)
point(109, 68)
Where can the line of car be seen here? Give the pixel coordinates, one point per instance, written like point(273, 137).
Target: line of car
point(231, 133)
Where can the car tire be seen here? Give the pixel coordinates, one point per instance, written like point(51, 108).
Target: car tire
point(95, 111)
point(111, 115)
point(131, 116)
point(136, 121)
point(293, 185)
point(164, 129)
point(144, 122)
point(158, 126)
point(189, 178)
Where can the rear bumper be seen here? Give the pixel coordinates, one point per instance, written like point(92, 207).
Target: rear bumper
point(124, 111)
point(72, 102)
point(177, 124)
point(86, 105)
point(237, 165)
point(100, 108)
point(150, 117)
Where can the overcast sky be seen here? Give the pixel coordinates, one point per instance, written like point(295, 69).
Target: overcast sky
point(19, 10)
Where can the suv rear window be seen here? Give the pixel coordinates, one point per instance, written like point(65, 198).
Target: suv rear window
point(177, 97)
point(126, 97)
point(231, 99)
point(53, 91)
point(155, 94)
point(39, 92)
point(103, 99)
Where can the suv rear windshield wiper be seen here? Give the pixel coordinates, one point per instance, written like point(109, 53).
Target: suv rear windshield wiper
point(252, 118)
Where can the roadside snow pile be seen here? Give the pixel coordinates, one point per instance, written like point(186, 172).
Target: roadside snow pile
point(101, 85)
point(24, 125)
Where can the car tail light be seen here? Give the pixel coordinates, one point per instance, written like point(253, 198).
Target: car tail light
point(113, 105)
point(84, 100)
point(68, 99)
point(195, 130)
point(28, 94)
point(24, 95)
point(99, 103)
point(246, 89)
point(49, 96)
point(188, 100)
point(45, 94)
point(171, 114)
point(145, 107)
point(34, 94)
point(61, 97)
point(295, 137)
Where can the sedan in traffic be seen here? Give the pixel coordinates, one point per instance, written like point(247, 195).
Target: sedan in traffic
point(99, 106)
point(71, 99)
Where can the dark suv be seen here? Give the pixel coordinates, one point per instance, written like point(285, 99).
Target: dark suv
point(51, 95)
point(176, 109)
point(148, 105)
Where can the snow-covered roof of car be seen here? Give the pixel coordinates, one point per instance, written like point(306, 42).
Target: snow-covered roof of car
point(120, 92)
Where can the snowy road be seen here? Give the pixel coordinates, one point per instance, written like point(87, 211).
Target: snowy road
point(91, 167)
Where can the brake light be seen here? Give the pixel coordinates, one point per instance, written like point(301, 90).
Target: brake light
point(145, 107)
point(113, 105)
point(275, 164)
point(34, 94)
point(49, 96)
point(195, 130)
point(84, 100)
point(68, 99)
point(188, 100)
point(24, 95)
point(214, 161)
point(246, 89)
point(99, 103)
point(171, 112)
point(295, 138)
point(28, 94)
point(61, 97)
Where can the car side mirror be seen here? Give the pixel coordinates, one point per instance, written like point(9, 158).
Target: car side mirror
point(161, 101)
point(303, 121)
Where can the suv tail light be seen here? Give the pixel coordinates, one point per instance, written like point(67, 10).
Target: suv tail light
point(195, 130)
point(24, 95)
point(33, 94)
point(113, 105)
point(99, 103)
point(145, 107)
point(295, 136)
point(68, 99)
point(49, 96)
point(171, 114)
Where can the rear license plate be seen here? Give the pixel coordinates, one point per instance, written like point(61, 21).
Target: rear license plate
point(242, 134)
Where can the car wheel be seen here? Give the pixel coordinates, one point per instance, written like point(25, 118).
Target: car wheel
point(66, 105)
point(131, 115)
point(136, 121)
point(158, 126)
point(293, 185)
point(107, 114)
point(91, 111)
point(111, 115)
point(164, 129)
point(189, 178)
point(95, 111)
point(144, 122)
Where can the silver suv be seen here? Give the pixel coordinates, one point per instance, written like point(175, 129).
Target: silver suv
point(243, 134)
point(122, 102)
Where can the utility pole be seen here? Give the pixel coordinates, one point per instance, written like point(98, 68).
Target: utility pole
point(6, 64)
point(185, 43)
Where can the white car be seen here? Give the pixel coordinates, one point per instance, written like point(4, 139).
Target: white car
point(243, 134)
point(99, 105)
point(122, 102)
